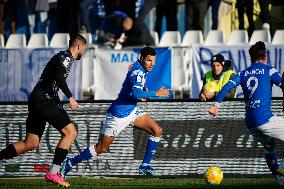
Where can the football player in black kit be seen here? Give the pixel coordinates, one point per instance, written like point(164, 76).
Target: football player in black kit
point(44, 106)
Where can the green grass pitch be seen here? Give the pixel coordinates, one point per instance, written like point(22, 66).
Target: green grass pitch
point(144, 183)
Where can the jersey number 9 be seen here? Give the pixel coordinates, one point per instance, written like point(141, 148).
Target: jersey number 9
point(252, 88)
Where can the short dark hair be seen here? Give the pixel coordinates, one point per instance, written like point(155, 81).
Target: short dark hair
point(257, 51)
point(147, 51)
point(76, 37)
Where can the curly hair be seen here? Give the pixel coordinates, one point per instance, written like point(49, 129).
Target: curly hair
point(257, 51)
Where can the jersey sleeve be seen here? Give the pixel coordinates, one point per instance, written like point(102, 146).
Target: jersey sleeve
point(232, 83)
point(60, 78)
point(231, 93)
point(139, 93)
point(275, 77)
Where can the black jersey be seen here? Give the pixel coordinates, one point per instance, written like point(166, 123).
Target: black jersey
point(54, 77)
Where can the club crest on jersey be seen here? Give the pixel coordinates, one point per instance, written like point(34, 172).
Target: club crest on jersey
point(66, 62)
point(137, 72)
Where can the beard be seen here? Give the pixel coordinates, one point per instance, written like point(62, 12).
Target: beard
point(79, 56)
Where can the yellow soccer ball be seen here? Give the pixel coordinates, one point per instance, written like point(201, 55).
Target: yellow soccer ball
point(211, 86)
point(213, 175)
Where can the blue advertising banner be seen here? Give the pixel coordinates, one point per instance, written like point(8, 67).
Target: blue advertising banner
point(111, 66)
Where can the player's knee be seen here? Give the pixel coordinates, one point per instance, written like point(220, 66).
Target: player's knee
point(71, 133)
point(158, 131)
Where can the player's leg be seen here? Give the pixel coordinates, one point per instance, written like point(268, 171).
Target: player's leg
point(112, 127)
point(89, 152)
point(58, 118)
point(270, 151)
point(146, 123)
point(30, 143)
point(274, 128)
point(34, 129)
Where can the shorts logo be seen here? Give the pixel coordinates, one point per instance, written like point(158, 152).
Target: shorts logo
point(138, 112)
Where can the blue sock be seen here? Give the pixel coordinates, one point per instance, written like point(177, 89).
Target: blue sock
point(152, 146)
point(271, 160)
point(86, 154)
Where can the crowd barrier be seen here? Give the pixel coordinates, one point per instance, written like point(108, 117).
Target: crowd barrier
point(192, 140)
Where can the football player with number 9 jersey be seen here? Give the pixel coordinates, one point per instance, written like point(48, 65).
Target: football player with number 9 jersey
point(256, 82)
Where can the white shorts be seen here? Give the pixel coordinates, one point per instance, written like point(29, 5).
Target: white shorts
point(114, 125)
point(274, 127)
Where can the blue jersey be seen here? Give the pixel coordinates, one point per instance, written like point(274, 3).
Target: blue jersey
point(128, 97)
point(256, 82)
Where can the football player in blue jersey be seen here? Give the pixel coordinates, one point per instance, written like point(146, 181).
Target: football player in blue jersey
point(123, 112)
point(256, 82)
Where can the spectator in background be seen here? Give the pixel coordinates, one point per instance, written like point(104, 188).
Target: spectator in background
point(167, 8)
point(195, 11)
point(16, 18)
point(139, 35)
point(52, 22)
point(41, 10)
point(248, 5)
point(96, 14)
point(9, 18)
point(215, 4)
point(113, 27)
point(68, 16)
point(265, 14)
point(118, 29)
point(145, 9)
point(192, 15)
point(215, 79)
point(84, 13)
point(126, 6)
point(2, 3)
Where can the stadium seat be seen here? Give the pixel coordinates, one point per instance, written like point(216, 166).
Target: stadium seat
point(88, 37)
point(215, 37)
point(38, 40)
point(192, 37)
point(170, 38)
point(179, 71)
point(59, 40)
point(155, 36)
point(238, 37)
point(16, 41)
point(2, 42)
point(260, 35)
point(278, 38)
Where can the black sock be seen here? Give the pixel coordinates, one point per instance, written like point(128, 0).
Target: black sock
point(9, 152)
point(60, 155)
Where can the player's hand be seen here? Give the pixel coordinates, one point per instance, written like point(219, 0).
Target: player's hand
point(73, 103)
point(213, 110)
point(209, 95)
point(162, 92)
point(202, 97)
point(143, 99)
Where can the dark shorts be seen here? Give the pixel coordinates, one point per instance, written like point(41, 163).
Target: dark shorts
point(45, 111)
